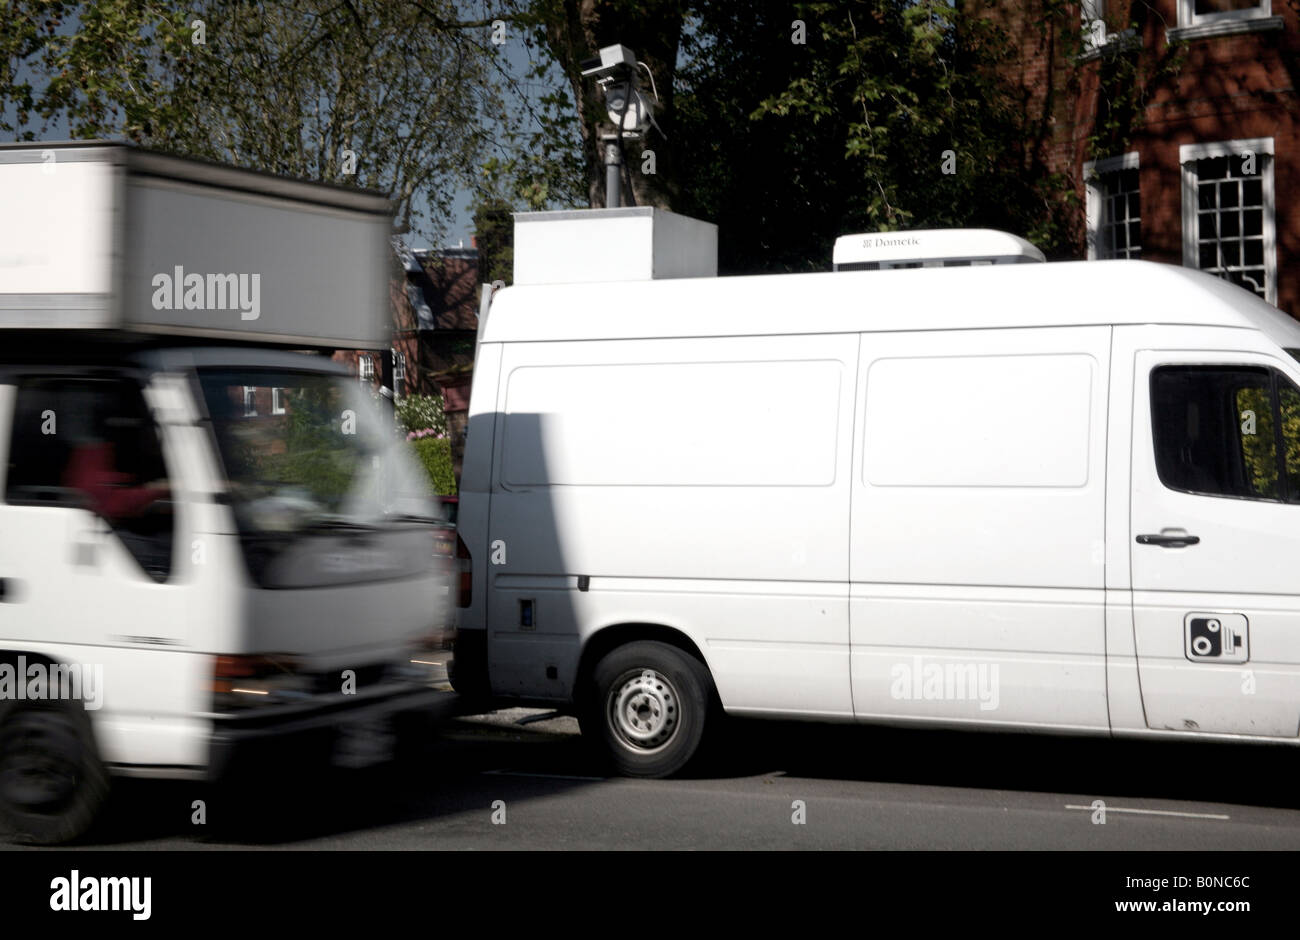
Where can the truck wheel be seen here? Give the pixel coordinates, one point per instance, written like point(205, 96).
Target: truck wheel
point(52, 783)
point(648, 706)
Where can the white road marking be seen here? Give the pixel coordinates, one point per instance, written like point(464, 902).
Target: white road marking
point(1151, 812)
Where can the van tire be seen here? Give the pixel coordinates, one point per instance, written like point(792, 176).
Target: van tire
point(52, 782)
point(648, 706)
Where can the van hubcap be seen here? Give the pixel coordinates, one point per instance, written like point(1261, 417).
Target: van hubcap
point(644, 710)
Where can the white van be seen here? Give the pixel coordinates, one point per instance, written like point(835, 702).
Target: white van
point(1058, 497)
point(211, 545)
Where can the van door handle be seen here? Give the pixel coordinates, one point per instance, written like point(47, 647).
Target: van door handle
point(1169, 541)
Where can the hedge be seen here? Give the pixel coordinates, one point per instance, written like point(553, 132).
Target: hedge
point(435, 454)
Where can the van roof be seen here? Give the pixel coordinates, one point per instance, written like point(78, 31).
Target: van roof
point(1071, 293)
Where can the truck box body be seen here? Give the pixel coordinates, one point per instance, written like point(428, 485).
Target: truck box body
point(110, 237)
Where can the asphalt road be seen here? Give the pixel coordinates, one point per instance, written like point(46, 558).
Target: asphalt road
point(491, 783)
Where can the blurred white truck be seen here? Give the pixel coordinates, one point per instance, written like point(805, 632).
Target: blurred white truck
point(210, 538)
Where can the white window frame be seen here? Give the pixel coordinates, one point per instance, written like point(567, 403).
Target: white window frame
point(1097, 40)
point(250, 401)
point(365, 368)
point(1193, 25)
point(1188, 154)
point(399, 374)
point(1092, 18)
point(277, 401)
point(1093, 171)
point(1187, 15)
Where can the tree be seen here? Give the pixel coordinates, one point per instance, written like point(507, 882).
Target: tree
point(494, 236)
point(791, 124)
point(574, 30)
point(891, 114)
point(393, 96)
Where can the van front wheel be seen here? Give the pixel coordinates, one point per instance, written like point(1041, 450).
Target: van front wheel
point(648, 706)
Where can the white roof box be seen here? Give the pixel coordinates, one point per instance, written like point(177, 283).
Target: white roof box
point(106, 236)
point(638, 243)
point(931, 248)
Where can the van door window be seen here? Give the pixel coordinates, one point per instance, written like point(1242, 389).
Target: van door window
point(91, 443)
point(1227, 431)
point(1289, 401)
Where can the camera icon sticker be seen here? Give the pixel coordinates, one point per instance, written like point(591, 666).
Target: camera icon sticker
point(1218, 638)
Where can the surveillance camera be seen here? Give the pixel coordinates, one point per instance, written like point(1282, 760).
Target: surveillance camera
point(628, 109)
point(611, 60)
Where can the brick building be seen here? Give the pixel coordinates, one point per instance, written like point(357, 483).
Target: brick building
point(1178, 125)
point(434, 301)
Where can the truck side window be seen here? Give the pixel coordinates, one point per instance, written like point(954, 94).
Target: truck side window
point(91, 443)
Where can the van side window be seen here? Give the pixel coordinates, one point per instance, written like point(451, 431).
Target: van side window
point(92, 443)
point(1218, 430)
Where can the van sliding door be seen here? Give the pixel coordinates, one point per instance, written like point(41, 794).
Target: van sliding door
point(977, 556)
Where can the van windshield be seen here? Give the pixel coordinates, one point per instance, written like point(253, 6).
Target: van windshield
point(308, 451)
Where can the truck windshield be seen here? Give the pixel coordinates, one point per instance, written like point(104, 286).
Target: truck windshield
point(306, 451)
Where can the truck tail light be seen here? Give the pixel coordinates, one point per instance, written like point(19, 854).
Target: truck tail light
point(465, 591)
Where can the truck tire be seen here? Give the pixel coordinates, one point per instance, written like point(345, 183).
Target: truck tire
point(648, 707)
point(52, 783)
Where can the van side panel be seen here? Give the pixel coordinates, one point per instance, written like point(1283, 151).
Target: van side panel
point(978, 528)
point(700, 484)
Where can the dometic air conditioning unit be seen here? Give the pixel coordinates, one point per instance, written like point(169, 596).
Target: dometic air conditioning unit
point(931, 248)
point(631, 244)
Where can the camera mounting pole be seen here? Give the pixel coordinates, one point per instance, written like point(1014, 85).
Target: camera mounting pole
point(613, 170)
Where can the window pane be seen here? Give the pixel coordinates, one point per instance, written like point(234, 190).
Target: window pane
point(1224, 6)
point(1213, 430)
point(1252, 192)
point(1290, 399)
point(1253, 221)
point(1228, 195)
point(92, 443)
point(1259, 446)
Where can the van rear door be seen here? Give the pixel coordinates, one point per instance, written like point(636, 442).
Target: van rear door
point(1214, 533)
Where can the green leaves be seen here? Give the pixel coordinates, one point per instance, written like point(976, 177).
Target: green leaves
point(387, 95)
point(894, 114)
point(421, 412)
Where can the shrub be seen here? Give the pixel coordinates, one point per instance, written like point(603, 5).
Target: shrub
point(421, 412)
point(434, 454)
